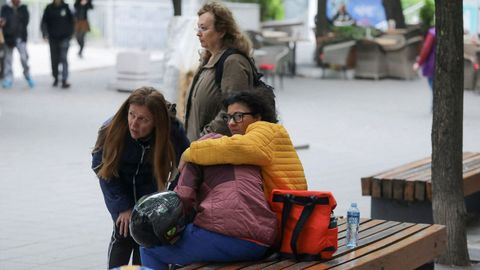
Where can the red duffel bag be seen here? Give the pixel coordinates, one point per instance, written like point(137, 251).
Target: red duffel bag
point(308, 228)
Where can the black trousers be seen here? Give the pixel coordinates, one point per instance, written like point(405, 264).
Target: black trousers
point(58, 56)
point(80, 36)
point(120, 250)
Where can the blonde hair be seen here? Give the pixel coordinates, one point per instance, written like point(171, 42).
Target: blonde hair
point(112, 136)
point(225, 22)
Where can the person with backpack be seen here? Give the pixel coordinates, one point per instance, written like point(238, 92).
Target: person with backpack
point(217, 31)
point(135, 154)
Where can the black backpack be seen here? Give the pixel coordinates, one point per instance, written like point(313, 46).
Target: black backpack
point(258, 83)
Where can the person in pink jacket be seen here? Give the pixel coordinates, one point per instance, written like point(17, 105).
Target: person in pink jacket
point(233, 220)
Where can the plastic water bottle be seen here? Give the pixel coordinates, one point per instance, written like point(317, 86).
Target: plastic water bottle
point(353, 223)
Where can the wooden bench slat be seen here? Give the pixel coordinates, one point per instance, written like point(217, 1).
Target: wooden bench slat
point(376, 188)
point(471, 182)
point(420, 190)
point(259, 265)
point(376, 236)
point(387, 189)
point(363, 226)
point(390, 172)
point(469, 163)
point(280, 265)
point(408, 253)
point(398, 186)
point(366, 186)
point(408, 191)
point(361, 250)
point(412, 172)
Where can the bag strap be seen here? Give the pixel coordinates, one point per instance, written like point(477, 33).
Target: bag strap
point(307, 211)
point(221, 62)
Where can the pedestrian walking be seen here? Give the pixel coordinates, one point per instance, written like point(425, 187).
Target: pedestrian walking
point(15, 18)
point(426, 59)
point(82, 27)
point(135, 154)
point(217, 32)
point(57, 28)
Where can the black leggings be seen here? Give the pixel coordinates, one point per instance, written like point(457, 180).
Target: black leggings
point(80, 36)
point(120, 250)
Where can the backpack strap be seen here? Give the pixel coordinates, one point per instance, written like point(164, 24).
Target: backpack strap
point(221, 62)
point(219, 65)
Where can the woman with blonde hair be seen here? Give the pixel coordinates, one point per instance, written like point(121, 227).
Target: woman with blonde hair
point(135, 154)
point(217, 32)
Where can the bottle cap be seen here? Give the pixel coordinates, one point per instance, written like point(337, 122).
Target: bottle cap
point(354, 204)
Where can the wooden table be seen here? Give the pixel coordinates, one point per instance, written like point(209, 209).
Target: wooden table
point(404, 193)
point(386, 245)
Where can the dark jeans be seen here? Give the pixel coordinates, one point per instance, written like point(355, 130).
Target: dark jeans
point(120, 250)
point(58, 56)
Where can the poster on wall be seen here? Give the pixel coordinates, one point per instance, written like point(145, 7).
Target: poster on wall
point(364, 12)
point(470, 18)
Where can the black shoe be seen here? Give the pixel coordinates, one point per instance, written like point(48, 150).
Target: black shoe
point(65, 84)
point(55, 83)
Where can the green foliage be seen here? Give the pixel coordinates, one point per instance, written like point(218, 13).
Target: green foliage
point(427, 13)
point(353, 32)
point(409, 3)
point(269, 9)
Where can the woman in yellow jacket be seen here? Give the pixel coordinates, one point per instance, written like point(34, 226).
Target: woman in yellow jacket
point(257, 139)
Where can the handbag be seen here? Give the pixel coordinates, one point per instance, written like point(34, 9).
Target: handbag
point(308, 229)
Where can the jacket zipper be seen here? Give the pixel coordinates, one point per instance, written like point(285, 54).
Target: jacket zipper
point(144, 148)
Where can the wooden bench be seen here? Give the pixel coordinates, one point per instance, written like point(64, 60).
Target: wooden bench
point(404, 193)
point(386, 245)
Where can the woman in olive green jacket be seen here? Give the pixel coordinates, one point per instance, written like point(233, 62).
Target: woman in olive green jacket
point(217, 31)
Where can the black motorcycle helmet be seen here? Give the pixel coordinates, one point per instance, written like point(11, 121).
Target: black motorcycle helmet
point(157, 219)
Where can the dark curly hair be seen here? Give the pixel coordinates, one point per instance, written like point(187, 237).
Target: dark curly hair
point(256, 101)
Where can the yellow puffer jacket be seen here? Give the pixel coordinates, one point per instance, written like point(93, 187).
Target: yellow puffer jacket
point(264, 144)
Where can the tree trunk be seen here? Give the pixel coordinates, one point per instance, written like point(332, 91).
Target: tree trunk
point(447, 131)
point(177, 7)
point(394, 11)
point(321, 19)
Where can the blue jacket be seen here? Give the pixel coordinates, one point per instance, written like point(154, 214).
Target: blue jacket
point(135, 171)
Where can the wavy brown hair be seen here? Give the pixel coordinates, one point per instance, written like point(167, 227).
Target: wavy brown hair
point(225, 22)
point(112, 136)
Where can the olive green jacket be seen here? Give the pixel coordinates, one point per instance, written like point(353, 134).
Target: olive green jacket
point(203, 109)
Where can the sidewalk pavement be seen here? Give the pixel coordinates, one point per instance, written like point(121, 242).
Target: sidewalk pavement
point(93, 57)
point(52, 210)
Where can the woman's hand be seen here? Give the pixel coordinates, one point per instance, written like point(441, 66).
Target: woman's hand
point(416, 66)
point(123, 221)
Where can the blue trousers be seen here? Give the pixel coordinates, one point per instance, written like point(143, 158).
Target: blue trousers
point(199, 245)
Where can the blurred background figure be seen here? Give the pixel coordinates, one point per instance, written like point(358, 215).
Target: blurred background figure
point(14, 21)
point(426, 59)
point(81, 22)
point(342, 17)
point(57, 27)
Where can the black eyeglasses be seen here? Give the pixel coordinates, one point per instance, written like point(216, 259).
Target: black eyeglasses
point(237, 117)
